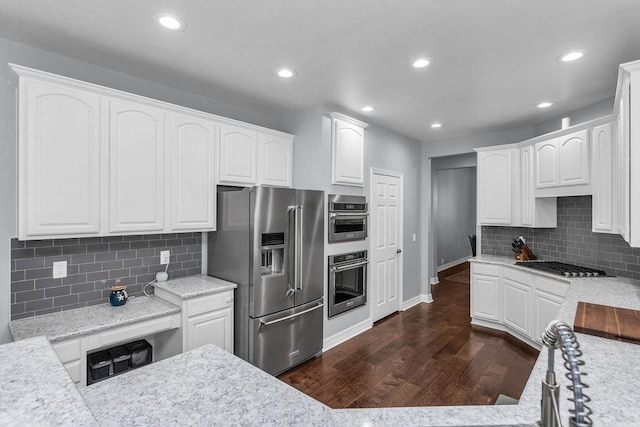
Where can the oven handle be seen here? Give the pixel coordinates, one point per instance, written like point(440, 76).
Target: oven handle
point(335, 215)
point(346, 267)
point(291, 316)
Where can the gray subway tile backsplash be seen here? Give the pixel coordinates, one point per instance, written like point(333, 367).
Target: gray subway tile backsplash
point(93, 264)
point(572, 241)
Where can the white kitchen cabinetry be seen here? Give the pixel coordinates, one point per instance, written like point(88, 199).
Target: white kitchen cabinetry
point(603, 176)
point(495, 182)
point(276, 160)
point(562, 165)
point(485, 292)
point(506, 192)
point(516, 297)
point(70, 354)
point(525, 302)
point(347, 150)
point(59, 163)
point(136, 167)
point(191, 162)
point(238, 155)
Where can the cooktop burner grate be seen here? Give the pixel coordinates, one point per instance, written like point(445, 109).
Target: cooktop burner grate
point(562, 269)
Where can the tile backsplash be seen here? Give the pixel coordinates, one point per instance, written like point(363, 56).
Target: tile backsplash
point(572, 241)
point(93, 264)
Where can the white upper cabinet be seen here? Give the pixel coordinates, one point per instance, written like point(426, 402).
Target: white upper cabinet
point(276, 155)
point(136, 167)
point(238, 155)
point(191, 162)
point(347, 150)
point(602, 161)
point(562, 165)
point(495, 186)
point(59, 160)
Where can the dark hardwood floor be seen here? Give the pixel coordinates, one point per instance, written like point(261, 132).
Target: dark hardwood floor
point(429, 355)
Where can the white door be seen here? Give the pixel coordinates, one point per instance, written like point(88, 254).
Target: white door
point(386, 243)
point(191, 164)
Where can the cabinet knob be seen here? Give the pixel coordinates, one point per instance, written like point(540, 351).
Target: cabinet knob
point(229, 299)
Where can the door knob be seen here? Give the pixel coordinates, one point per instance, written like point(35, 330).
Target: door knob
point(398, 251)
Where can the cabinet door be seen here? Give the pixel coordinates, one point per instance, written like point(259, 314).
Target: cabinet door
point(602, 179)
point(238, 155)
point(59, 161)
point(494, 187)
point(485, 297)
point(347, 153)
point(191, 164)
point(136, 167)
point(527, 201)
point(275, 160)
point(516, 307)
point(573, 158)
point(546, 307)
point(215, 327)
point(546, 164)
point(622, 169)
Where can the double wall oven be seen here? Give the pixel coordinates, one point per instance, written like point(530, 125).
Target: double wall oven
point(348, 217)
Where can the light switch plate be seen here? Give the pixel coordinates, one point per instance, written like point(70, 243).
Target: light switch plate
point(59, 269)
point(165, 256)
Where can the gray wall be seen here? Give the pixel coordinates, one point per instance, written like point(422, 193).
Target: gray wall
point(384, 149)
point(39, 59)
point(591, 112)
point(572, 241)
point(93, 265)
point(454, 208)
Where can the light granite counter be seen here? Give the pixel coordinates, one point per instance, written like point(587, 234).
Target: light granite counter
point(195, 286)
point(206, 386)
point(88, 320)
point(35, 389)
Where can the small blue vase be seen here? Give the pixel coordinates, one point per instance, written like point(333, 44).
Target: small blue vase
point(118, 295)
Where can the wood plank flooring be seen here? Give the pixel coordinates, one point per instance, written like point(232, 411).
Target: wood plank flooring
point(429, 355)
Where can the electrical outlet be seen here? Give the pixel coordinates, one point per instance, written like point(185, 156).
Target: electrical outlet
point(413, 237)
point(165, 256)
point(59, 269)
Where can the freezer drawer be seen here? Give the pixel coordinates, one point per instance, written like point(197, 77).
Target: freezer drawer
point(285, 339)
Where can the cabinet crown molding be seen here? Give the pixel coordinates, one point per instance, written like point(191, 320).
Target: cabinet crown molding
point(351, 120)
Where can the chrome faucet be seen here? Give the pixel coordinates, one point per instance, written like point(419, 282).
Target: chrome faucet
point(560, 335)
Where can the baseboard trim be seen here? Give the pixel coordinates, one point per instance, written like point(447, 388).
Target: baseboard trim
point(500, 327)
point(434, 280)
point(452, 264)
point(347, 334)
point(415, 301)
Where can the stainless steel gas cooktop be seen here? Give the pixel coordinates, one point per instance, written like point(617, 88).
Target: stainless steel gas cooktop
point(562, 269)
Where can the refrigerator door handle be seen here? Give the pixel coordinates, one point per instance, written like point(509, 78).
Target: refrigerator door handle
point(292, 260)
point(291, 316)
point(298, 267)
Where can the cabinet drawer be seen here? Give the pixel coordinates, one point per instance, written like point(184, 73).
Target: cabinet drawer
point(554, 287)
point(73, 368)
point(68, 350)
point(517, 275)
point(485, 269)
point(208, 303)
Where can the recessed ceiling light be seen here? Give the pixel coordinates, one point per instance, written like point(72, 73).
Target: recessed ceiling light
point(436, 125)
point(421, 62)
point(545, 104)
point(286, 73)
point(571, 56)
point(170, 22)
point(367, 109)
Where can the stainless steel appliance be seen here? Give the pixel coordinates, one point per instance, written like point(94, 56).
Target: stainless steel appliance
point(270, 241)
point(562, 269)
point(347, 218)
point(347, 281)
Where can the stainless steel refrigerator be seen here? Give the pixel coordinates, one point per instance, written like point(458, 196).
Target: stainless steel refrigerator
point(270, 241)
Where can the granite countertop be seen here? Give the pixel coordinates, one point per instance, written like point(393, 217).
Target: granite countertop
point(511, 262)
point(206, 386)
point(88, 320)
point(195, 286)
point(35, 389)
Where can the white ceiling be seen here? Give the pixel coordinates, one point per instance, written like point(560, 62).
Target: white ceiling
point(494, 60)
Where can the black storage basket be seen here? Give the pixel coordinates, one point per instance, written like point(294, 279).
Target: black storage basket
point(121, 357)
point(141, 353)
point(100, 366)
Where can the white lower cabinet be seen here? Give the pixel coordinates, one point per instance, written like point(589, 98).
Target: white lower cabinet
point(518, 302)
point(215, 327)
point(485, 292)
point(70, 354)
